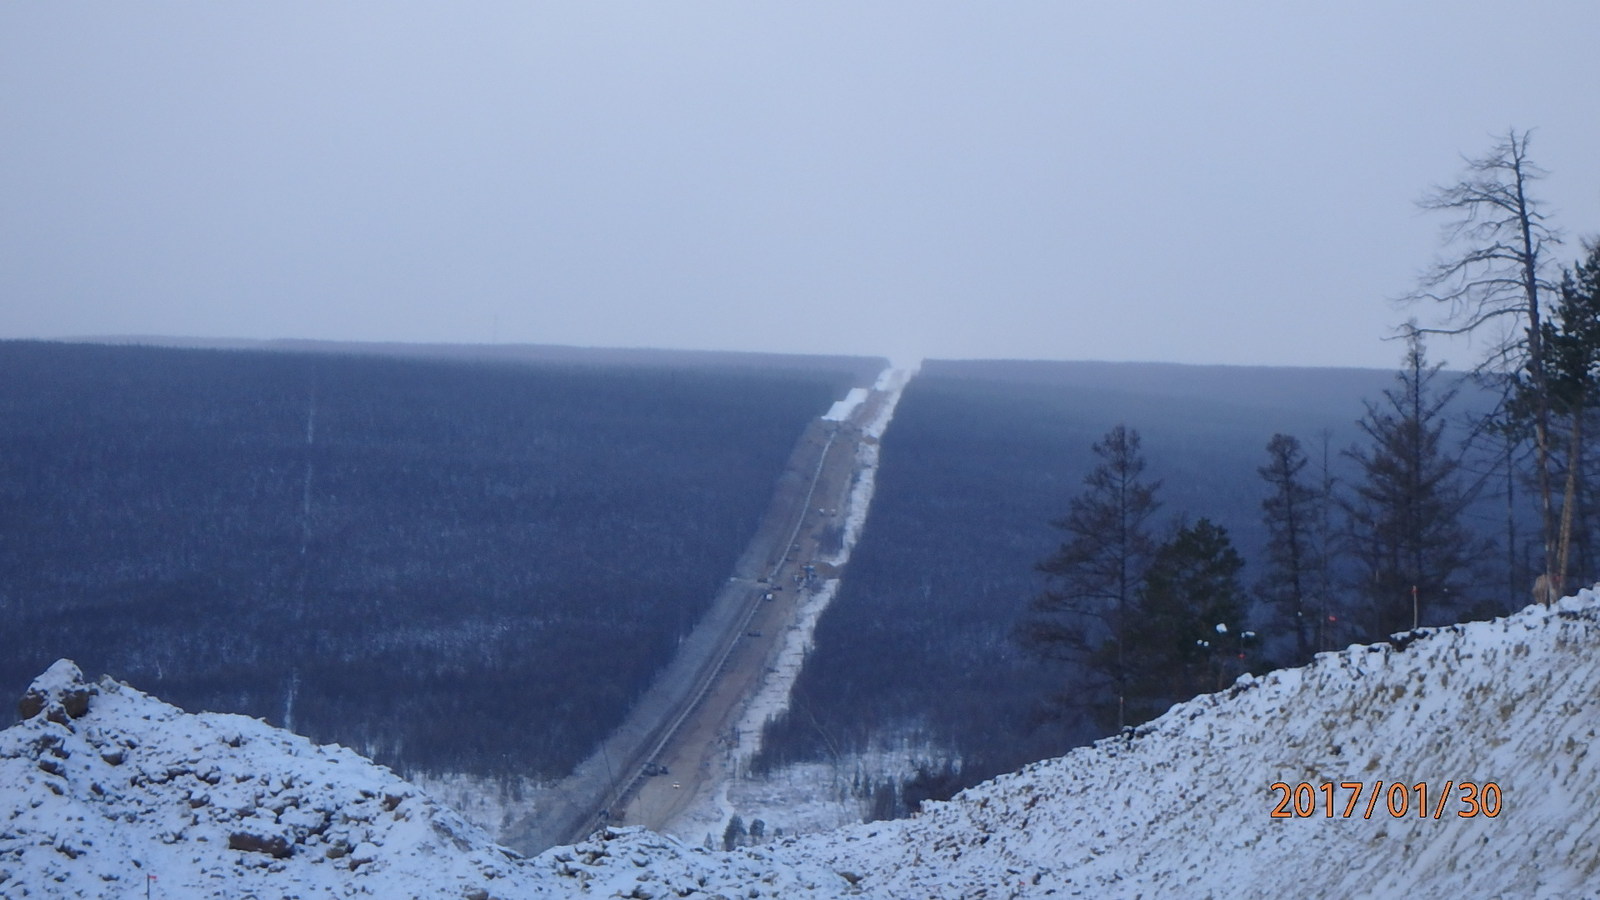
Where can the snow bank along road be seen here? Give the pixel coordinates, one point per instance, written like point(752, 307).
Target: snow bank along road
point(680, 721)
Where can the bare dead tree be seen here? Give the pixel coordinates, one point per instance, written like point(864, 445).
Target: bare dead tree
point(1499, 280)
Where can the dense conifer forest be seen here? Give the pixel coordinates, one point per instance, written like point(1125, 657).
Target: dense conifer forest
point(454, 565)
point(981, 457)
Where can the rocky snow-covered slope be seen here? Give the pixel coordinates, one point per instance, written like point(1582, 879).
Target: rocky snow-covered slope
point(102, 786)
point(106, 787)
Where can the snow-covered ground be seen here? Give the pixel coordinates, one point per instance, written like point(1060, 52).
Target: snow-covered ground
point(106, 792)
point(842, 410)
point(102, 787)
point(810, 797)
point(493, 804)
point(1184, 807)
point(892, 380)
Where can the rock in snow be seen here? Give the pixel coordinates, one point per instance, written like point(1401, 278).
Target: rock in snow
point(105, 791)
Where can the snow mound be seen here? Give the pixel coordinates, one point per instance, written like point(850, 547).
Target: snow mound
point(103, 788)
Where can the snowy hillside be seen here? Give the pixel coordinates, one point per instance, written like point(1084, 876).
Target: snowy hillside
point(1183, 807)
point(102, 786)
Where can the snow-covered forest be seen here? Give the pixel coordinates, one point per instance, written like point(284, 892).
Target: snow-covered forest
point(452, 566)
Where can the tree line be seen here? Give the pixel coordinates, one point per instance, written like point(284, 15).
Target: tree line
point(1148, 614)
point(450, 565)
point(917, 649)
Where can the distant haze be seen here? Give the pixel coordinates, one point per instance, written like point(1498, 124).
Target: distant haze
point(1188, 182)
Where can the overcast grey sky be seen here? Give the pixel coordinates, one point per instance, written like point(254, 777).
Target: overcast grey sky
point(1179, 181)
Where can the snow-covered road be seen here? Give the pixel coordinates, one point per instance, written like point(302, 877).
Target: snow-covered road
point(690, 716)
point(870, 413)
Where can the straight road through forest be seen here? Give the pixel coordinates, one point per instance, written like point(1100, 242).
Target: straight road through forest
point(680, 723)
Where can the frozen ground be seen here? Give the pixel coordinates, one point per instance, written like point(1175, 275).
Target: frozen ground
point(493, 804)
point(1183, 808)
point(103, 787)
point(842, 410)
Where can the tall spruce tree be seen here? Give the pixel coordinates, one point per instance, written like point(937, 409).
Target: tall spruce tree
point(1293, 554)
point(1087, 609)
point(1405, 519)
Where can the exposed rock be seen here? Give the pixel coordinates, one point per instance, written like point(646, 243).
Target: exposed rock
point(274, 846)
point(30, 705)
point(60, 693)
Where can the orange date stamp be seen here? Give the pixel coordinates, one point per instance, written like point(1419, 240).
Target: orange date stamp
point(1466, 799)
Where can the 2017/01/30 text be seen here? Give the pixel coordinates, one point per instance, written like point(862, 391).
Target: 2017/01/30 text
point(1304, 800)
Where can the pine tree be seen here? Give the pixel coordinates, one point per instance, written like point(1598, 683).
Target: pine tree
point(1189, 636)
point(1293, 555)
point(1085, 614)
point(1405, 520)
